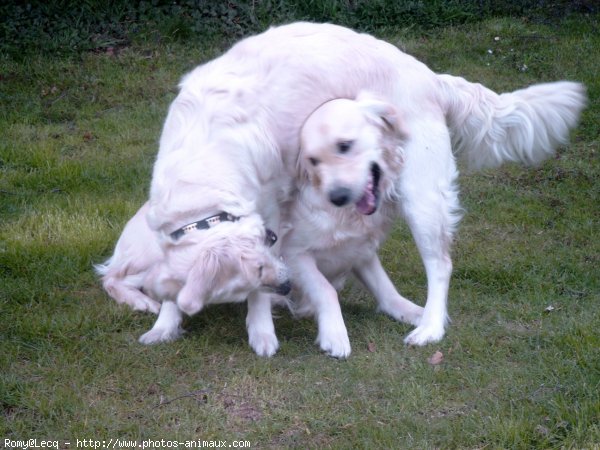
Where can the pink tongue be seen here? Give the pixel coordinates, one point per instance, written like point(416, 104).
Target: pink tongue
point(367, 203)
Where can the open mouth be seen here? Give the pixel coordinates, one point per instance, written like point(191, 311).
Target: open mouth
point(369, 201)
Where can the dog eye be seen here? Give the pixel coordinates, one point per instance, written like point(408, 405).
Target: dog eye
point(270, 238)
point(314, 161)
point(260, 270)
point(344, 146)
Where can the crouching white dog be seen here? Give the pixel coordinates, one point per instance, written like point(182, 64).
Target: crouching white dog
point(197, 265)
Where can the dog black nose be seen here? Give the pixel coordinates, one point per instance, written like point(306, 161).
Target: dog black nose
point(284, 288)
point(340, 196)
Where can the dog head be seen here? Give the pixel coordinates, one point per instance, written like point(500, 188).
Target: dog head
point(350, 149)
point(227, 263)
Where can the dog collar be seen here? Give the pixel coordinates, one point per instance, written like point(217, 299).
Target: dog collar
point(204, 224)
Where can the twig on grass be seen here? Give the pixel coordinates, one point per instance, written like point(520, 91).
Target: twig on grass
point(194, 394)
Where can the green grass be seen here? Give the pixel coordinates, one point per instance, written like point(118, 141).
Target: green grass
point(78, 136)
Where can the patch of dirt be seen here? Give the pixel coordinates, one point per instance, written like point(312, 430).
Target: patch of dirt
point(240, 408)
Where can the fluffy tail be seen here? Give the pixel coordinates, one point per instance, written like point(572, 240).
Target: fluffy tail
point(524, 126)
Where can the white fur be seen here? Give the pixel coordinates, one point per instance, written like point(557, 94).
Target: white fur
point(226, 263)
point(322, 248)
point(326, 243)
point(231, 139)
point(126, 271)
point(167, 327)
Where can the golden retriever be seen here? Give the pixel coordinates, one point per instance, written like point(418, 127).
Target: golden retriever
point(353, 180)
point(351, 156)
point(208, 266)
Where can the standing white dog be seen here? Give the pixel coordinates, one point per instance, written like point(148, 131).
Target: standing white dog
point(354, 155)
point(232, 137)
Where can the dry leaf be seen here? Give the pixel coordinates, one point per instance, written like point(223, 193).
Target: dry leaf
point(436, 359)
point(371, 347)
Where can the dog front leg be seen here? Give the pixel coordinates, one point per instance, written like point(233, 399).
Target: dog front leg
point(333, 336)
point(374, 277)
point(167, 327)
point(259, 322)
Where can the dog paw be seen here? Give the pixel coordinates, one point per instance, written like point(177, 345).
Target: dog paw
point(158, 335)
point(263, 343)
point(423, 335)
point(335, 344)
point(405, 311)
point(146, 305)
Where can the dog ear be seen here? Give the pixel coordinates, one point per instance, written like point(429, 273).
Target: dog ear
point(200, 280)
point(250, 264)
point(302, 173)
point(383, 113)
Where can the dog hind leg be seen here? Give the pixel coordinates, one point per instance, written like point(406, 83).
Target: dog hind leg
point(125, 293)
point(430, 206)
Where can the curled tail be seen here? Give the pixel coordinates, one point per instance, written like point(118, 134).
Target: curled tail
point(524, 126)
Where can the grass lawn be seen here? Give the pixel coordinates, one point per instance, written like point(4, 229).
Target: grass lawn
point(521, 366)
